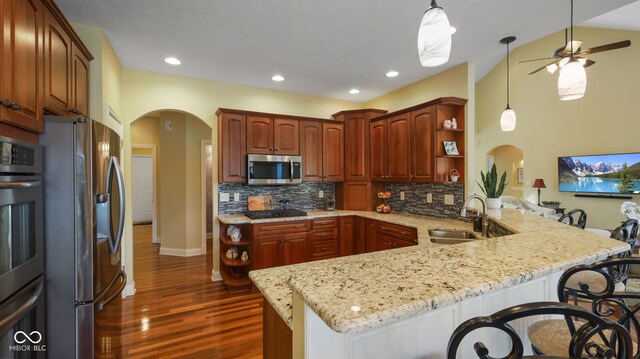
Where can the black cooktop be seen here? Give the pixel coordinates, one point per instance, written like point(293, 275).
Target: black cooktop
point(275, 213)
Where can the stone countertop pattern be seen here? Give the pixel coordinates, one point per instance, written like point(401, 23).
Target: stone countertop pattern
point(392, 285)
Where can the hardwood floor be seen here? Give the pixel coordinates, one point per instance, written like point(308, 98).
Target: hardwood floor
point(178, 312)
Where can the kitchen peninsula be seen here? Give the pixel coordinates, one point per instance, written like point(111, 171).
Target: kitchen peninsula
point(406, 302)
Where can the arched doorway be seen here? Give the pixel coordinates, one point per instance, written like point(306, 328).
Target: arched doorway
point(510, 159)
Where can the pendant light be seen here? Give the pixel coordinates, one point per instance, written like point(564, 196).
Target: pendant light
point(434, 37)
point(572, 82)
point(508, 118)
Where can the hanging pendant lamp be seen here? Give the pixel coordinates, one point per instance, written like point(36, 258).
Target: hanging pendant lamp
point(434, 37)
point(572, 82)
point(508, 118)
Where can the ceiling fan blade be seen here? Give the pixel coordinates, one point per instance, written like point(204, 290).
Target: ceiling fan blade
point(531, 60)
point(607, 47)
point(589, 63)
point(567, 48)
point(543, 67)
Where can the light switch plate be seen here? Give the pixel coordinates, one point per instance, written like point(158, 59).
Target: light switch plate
point(429, 198)
point(448, 199)
point(224, 197)
point(168, 125)
point(236, 197)
point(320, 194)
point(402, 196)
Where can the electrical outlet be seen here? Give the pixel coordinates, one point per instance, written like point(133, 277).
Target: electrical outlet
point(320, 194)
point(402, 196)
point(429, 198)
point(224, 197)
point(236, 197)
point(448, 199)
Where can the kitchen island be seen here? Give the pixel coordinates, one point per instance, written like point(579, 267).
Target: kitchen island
point(406, 302)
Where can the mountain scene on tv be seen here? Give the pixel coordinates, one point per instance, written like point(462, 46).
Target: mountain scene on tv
point(618, 173)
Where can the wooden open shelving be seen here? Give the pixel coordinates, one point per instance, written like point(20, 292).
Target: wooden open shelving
point(235, 272)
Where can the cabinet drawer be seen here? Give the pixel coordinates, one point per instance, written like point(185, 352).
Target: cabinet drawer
point(397, 231)
point(281, 228)
point(327, 222)
point(324, 234)
point(324, 249)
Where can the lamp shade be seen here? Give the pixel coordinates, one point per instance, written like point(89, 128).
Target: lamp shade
point(539, 183)
point(434, 37)
point(572, 82)
point(508, 120)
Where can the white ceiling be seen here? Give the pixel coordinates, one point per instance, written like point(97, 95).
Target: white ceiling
point(624, 18)
point(322, 47)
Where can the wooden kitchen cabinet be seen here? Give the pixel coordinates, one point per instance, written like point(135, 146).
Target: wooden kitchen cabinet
point(58, 57)
point(280, 243)
point(269, 136)
point(333, 152)
point(382, 236)
point(232, 153)
point(79, 83)
point(355, 196)
point(268, 251)
point(346, 236)
point(370, 243)
point(322, 149)
point(311, 151)
point(360, 234)
point(422, 147)
point(235, 272)
point(378, 150)
point(21, 66)
point(398, 148)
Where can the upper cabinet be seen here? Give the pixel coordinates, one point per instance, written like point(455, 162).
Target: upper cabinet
point(21, 64)
point(398, 148)
point(322, 150)
point(378, 150)
point(333, 152)
point(232, 150)
point(311, 150)
point(269, 136)
point(44, 67)
point(422, 148)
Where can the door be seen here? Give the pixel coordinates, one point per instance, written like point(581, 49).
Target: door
point(356, 134)
point(268, 250)
point(311, 151)
point(57, 61)
point(333, 152)
point(378, 150)
point(347, 245)
point(295, 248)
point(360, 234)
point(399, 147)
point(384, 242)
point(259, 135)
point(22, 323)
point(22, 64)
point(286, 137)
point(371, 234)
point(232, 164)
point(423, 150)
point(142, 186)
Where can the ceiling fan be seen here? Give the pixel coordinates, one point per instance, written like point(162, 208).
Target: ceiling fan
point(572, 50)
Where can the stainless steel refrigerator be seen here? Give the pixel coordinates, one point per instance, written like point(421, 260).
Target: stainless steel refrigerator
point(84, 223)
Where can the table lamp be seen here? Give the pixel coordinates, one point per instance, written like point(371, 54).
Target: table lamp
point(538, 183)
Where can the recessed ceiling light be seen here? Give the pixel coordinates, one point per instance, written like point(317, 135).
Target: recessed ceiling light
point(392, 73)
point(172, 61)
point(277, 78)
point(354, 91)
point(453, 30)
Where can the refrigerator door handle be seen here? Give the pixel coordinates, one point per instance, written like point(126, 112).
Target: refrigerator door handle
point(116, 238)
point(107, 300)
point(13, 315)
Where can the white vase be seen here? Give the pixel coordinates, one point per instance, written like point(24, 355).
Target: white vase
point(493, 203)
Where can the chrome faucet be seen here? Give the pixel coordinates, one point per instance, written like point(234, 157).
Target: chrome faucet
point(485, 217)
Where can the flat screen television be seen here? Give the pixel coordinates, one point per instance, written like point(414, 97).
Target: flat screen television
point(600, 173)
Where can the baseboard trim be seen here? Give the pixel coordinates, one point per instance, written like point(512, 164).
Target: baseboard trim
point(215, 276)
point(129, 290)
point(179, 252)
point(157, 240)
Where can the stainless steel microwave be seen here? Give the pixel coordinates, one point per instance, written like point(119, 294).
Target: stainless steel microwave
point(274, 170)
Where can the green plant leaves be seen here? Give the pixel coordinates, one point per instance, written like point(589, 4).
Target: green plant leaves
point(490, 186)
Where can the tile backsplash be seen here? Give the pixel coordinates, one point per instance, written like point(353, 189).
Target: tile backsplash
point(302, 196)
point(415, 201)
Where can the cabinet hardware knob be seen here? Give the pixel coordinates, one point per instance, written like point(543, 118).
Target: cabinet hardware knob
point(75, 111)
point(6, 103)
point(16, 107)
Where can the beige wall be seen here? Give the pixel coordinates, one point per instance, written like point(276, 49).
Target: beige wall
point(508, 159)
point(604, 121)
point(146, 132)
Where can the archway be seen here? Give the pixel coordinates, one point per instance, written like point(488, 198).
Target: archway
point(509, 158)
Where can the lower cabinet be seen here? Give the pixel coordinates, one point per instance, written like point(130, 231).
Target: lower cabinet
point(287, 244)
point(382, 236)
point(347, 236)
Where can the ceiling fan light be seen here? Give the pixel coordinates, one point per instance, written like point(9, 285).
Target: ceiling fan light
point(582, 61)
point(508, 120)
point(552, 68)
point(563, 62)
point(572, 82)
point(434, 37)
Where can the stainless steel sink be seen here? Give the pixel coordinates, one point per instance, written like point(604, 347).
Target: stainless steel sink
point(446, 236)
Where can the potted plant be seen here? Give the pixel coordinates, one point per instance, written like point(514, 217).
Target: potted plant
point(551, 204)
point(492, 188)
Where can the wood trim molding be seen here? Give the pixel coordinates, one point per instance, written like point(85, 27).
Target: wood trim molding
point(55, 11)
point(374, 110)
point(439, 101)
point(273, 115)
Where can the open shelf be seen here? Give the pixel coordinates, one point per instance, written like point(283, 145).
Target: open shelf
point(451, 156)
point(234, 262)
point(235, 282)
point(229, 242)
point(450, 129)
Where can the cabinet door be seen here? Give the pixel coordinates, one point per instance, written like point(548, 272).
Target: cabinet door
point(422, 149)
point(356, 147)
point(378, 150)
point(57, 66)
point(399, 147)
point(286, 140)
point(333, 152)
point(267, 252)
point(259, 135)
point(384, 242)
point(232, 160)
point(403, 243)
point(295, 248)
point(21, 88)
point(371, 234)
point(346, 238)
point(360, 234)
point(80, 83)
point(311, 151)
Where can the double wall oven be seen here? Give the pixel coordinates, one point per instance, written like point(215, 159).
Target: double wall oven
point(22, 327)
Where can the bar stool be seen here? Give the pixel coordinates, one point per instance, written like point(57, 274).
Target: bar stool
point(592, 337)
point(569, 219)
point(551, 337)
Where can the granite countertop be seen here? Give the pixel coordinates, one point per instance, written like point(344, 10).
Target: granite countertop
point(392, 285)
